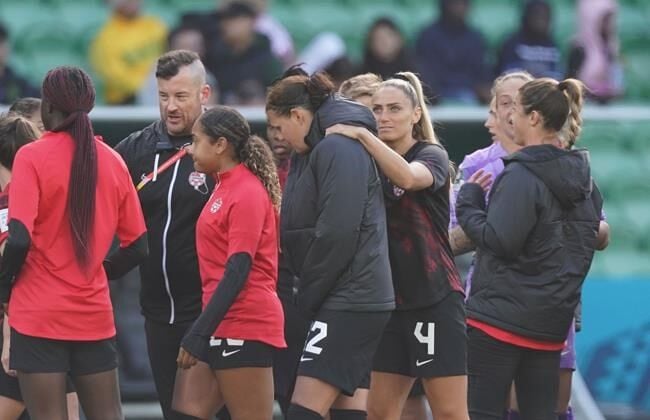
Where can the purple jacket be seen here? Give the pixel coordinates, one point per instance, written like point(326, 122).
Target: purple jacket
point(488, 159)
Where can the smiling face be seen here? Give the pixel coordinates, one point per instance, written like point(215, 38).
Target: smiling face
point(395, 114)
point(291, 128)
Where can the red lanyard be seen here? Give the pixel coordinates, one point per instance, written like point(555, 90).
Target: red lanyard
point(169, 162)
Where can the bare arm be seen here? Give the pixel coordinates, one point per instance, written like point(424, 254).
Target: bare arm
point(460, 243)
point(409, 176)
point(5, 346)
point(602, 240)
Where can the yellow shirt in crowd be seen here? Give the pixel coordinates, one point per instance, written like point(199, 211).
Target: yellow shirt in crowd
point(123, 53)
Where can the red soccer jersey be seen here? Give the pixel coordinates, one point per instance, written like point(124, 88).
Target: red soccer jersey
point(239, 217)
point(514, 339)
point(52, 297)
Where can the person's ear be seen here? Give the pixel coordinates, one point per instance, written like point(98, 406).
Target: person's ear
point(220, 145)
point(535, 118)
point(205, 93)
point(298, 115)
point(417, 115)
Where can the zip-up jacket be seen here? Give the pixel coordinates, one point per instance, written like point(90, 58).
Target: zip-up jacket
point(333, 222)
point(171, 285)
point(535, 241)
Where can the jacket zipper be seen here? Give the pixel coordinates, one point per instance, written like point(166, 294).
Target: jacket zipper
point(164, 242)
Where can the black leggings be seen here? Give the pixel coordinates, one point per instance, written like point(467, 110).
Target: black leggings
point(163, 342)
point(493, 365)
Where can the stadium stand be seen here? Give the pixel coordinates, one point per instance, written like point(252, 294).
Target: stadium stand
point(620, 147)
point(80, 19)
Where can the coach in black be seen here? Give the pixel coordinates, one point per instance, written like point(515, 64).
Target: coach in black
point(172, 195)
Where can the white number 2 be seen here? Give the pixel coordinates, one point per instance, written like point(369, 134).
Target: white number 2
point(429, 338)
point(311, 346)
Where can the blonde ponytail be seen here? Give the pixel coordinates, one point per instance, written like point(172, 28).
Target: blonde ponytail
point(424, 126)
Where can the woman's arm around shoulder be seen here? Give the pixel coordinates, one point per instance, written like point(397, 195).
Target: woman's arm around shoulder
point(411, 176)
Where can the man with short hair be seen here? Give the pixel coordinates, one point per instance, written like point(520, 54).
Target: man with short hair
point(172, 195)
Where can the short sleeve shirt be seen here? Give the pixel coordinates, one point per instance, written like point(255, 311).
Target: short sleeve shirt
point(422, 263)
point(240, 217)
point(53, 296)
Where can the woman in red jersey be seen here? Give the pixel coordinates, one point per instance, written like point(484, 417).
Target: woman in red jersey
point(15, 132)
point(226, 357)
point(70, 195)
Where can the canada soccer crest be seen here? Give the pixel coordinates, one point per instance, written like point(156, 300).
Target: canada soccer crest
point(216, 205)
point(196, 179)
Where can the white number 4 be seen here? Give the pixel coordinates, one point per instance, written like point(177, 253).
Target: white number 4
point(429, 338)
point(311, 346)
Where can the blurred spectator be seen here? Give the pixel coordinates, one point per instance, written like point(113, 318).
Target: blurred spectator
point(451, 56)
point(12, 85)
point(265, 24)
point(327, 52)
point(532, 47)
point(281, 41)
point(205, 22)
point(322, 51)
point(243, 62)
point(125, 50)
point(385, 52)
point(594, 56)
point(341, 70)
point(181, 38)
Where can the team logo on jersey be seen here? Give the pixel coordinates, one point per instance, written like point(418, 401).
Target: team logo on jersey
point(216, 205)
point(397, 191)
point(4, 213)
point(197, 181)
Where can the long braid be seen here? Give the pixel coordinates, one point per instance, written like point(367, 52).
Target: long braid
point(70, 90)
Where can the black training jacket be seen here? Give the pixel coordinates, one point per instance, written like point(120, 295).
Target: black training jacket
point(535, 242)
point(171, 285)
point(333, 222)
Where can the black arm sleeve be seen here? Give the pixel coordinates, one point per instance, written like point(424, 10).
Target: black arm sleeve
point(123, 260)
point(234, 278)
point(16, 249)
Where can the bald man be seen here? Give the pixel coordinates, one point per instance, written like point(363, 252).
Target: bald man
point(172, 195)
